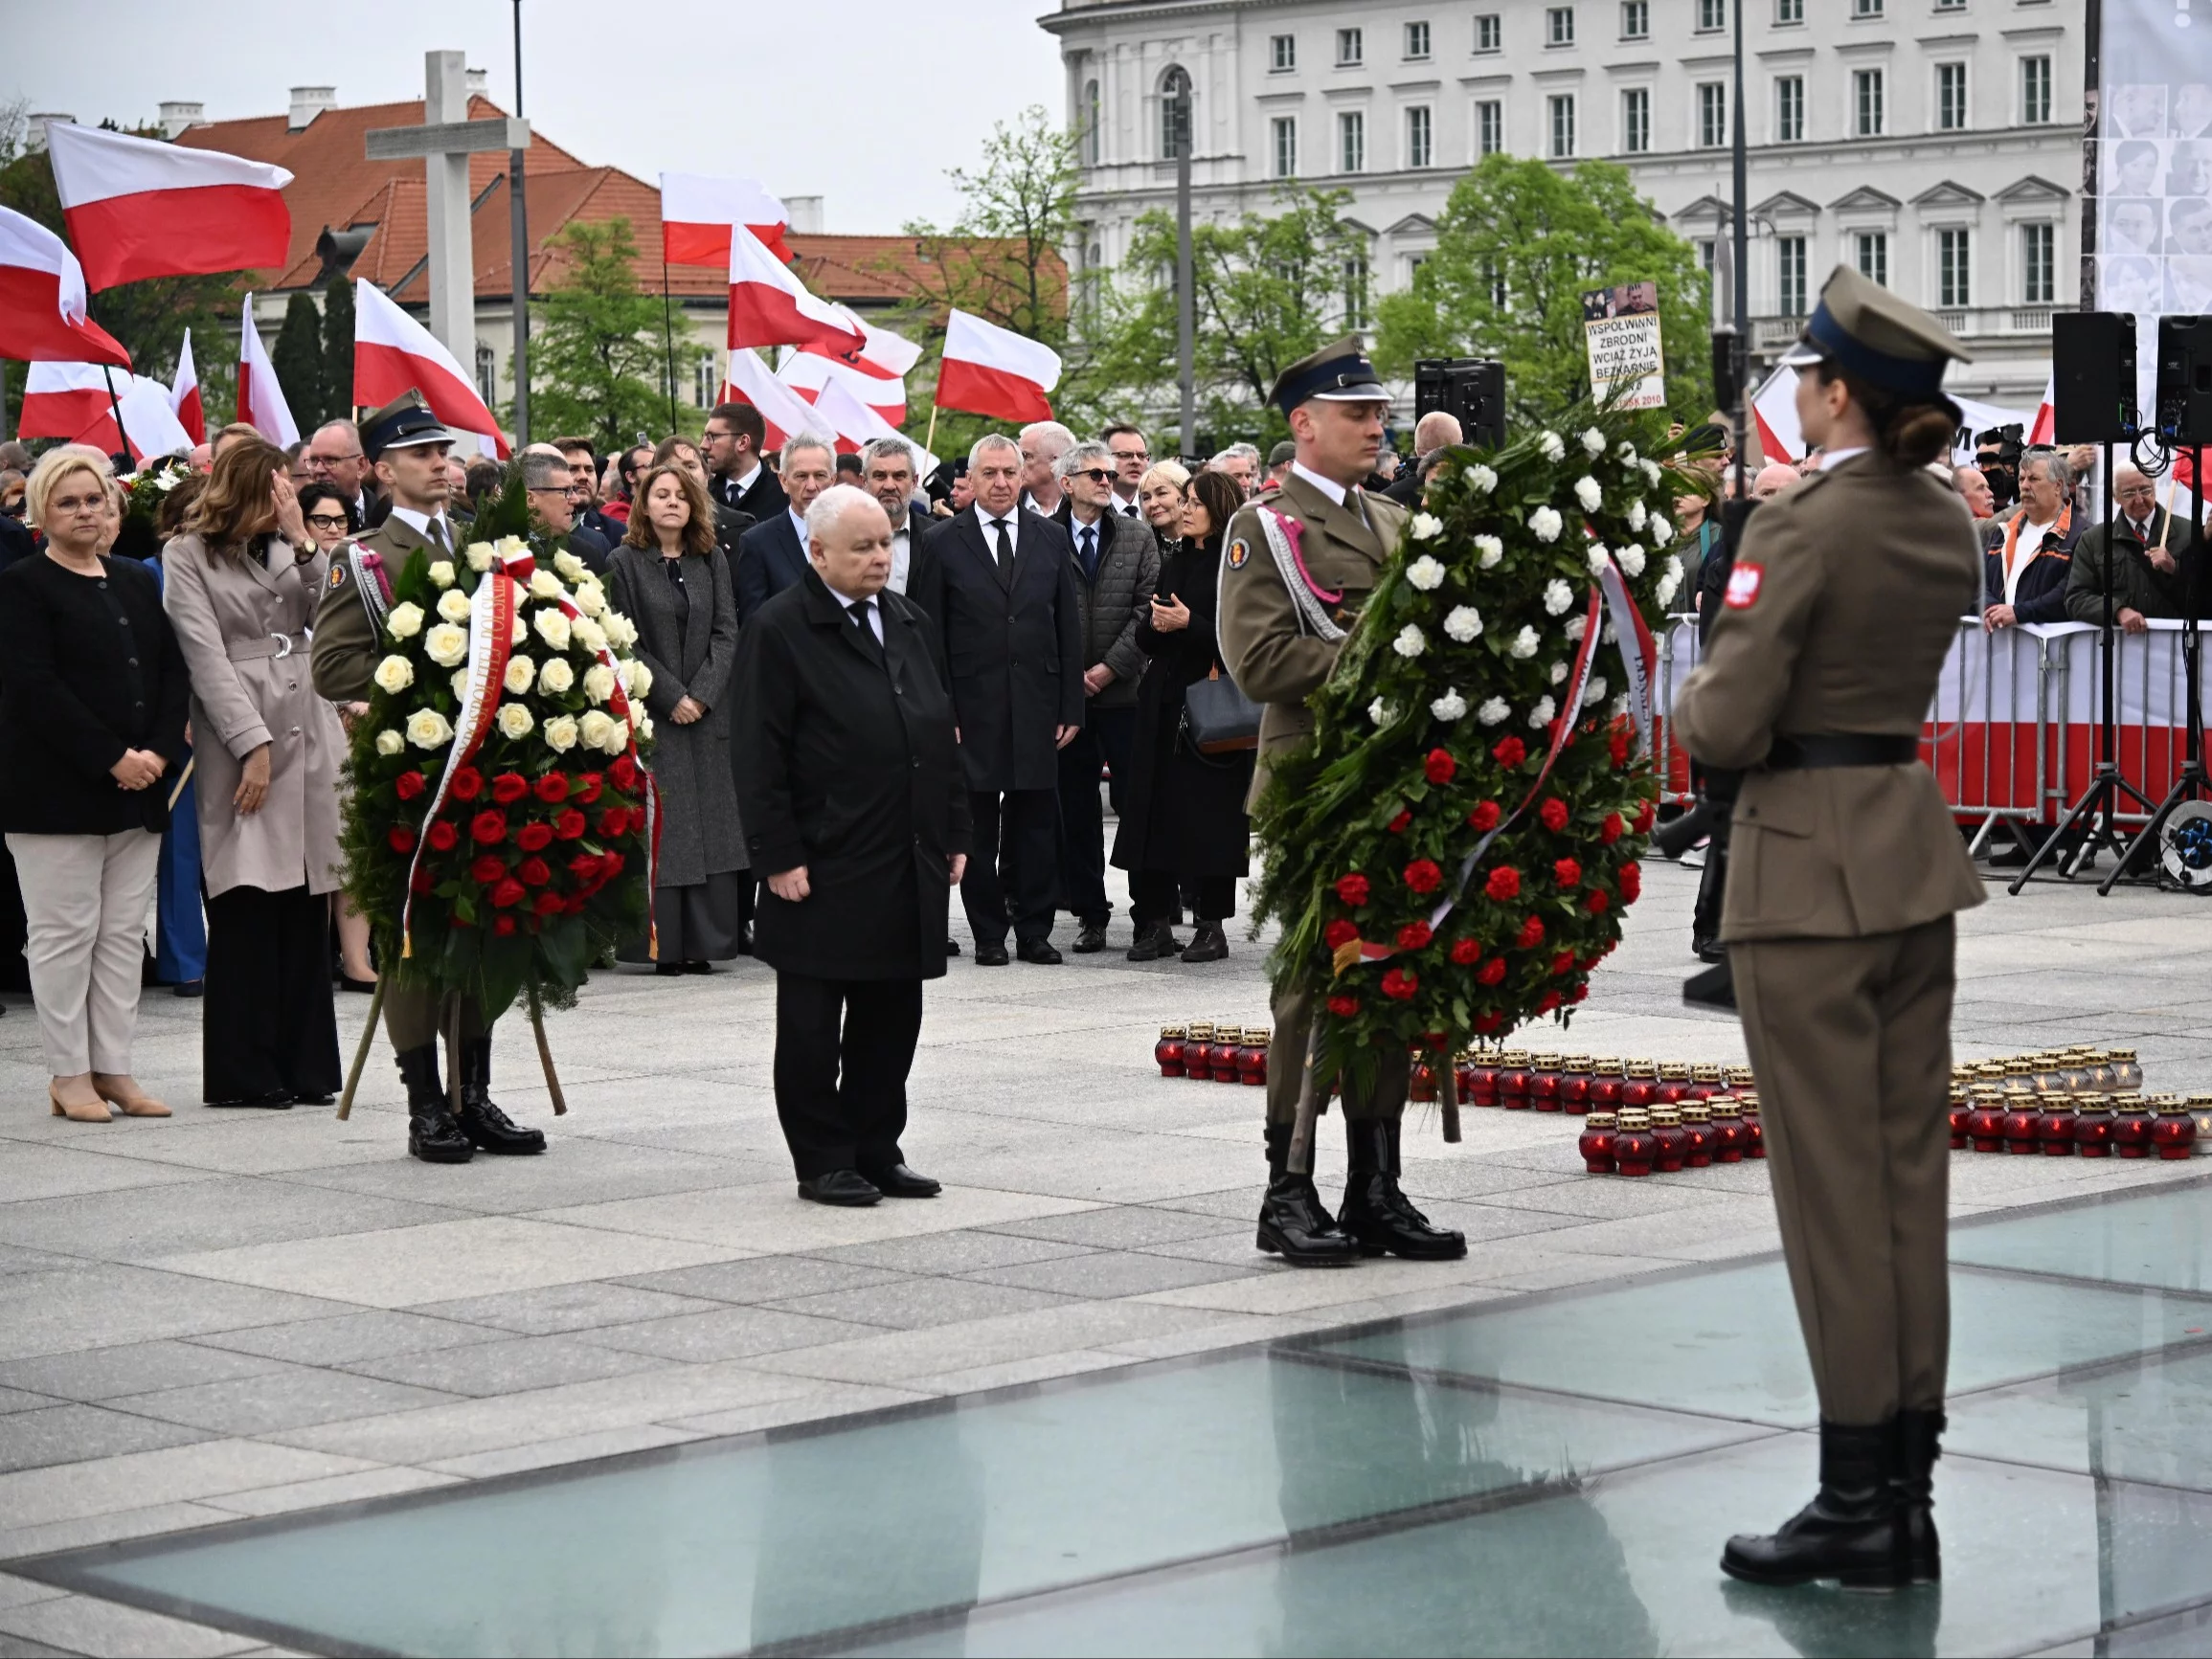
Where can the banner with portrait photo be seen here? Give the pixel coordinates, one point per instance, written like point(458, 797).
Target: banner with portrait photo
point(1621, 330)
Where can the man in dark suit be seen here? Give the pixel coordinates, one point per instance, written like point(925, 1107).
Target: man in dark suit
point(584, 498)
point(1001, 590)
point(735, 440)
point(888, 474)
point(856, 811)
point(773, 553)
point(334, 457)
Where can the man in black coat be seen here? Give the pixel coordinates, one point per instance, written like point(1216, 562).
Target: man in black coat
point(856, 812)
point(1001, 590)
point(735, 442)
point(774, 552)
point(888, 474)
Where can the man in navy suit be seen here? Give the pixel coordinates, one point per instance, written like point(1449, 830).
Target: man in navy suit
point(772, 555)
point(1000, 584)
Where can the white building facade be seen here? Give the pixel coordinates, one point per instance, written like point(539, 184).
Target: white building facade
point(1934, 144)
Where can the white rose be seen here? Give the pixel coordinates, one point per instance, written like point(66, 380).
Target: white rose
point(507, 547)
point(1426, 573)
point(1665, 591)
point(620, 629)
point(598, 729)
point(521, 673)
point(639, 679)
point(544, 585)
point(453, 605)
point(427, 729)
point(1493, 712)
point(519, 633)
point(1636, 516)
point(1488, 550)
point(1410, 642)
point(599, 682)
point(515, 722)
point(1558, 672)
point(1597, 559)
point(1596, 689)
point(405, 621)
point(460, 685)
point(1661, 532)
point(570, 567)
point(1674, 566)
point(1481, 478)
point(591, 598)
point(395, 675)
point(389, 742)
point(1545, 525)
point(559, 733)
point(445, 644)
point(643, 728)
point(1524, 644)
point(1619, 706)
point(1631, 560)
point(1587, 492)
point(440, 573)
point(1625, 454)
point(1426, 526)
point(1552, 446)
point(1380, 712)
point(1449, 706)
point(588, 635)
point(1557, 597)
point(1593, 442)
point(556, 676)
point(478, 554)
point(1576, 628)
point(1541, 715)
point(1464, 623)
point(1650, 470)
point(552, 628)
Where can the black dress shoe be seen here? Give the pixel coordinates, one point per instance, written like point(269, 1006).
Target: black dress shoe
point(1853, 1531)
point(695, 966)
point(1209, 944)
point(1039, 951)
point(1089, 939)
point(314, 1100)
point(1375, 1213)
point(991, 956)
point(276, 1100)
point(849, 1189)
point(488, 1128)
point(433, 1135)
point(901, 1182)
point(668, 970)
point(1153, 943)
point(952, 947)
point(1912, 1480)
point(347, 982)
point(1293, 1223)
point(188, 988)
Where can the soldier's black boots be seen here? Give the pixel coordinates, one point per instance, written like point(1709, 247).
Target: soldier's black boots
point(1380, 1219)
point(432, 1135)
point(1912, 1477)
point(1853, 1531)
point(488, 1128)
point(1293, 1223)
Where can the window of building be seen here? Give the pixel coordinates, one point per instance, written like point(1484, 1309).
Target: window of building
point(1870, 253)
point(2038, 264)
point(1352, 141)
point(1790, 275)
point(1636, 19)
point(1416, 40)
point(1951, 97)
point(1489, 127)
point(1953, 268)
point(1489, 36)
point(1283, 52)
point(1284, 131)
point(2035, 91)
point(1351, 48)
point(706, 381)
point(1709, 255)
point(1867, 102)
point(1865, 8)
point(486, 375)
point(1174, 113)
point(1354, 273)
point(1420, 130)
point(1787, 11)
point(1091, 132)
point(1559, 26)
point(1561, 109)
point(1636, 120)
point(1712, 114)
point(1790, 109)
point(1950, 5)
point(1712, 15)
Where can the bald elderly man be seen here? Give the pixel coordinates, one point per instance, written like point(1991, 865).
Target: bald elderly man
point(2146, 549)
point(1772, 480)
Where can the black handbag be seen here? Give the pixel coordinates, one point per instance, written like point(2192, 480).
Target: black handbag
point(1218, 718)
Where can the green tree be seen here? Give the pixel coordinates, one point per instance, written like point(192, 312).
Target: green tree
point(338, 348)
point(597, 351)
point(297, 357)
point(1517, 244)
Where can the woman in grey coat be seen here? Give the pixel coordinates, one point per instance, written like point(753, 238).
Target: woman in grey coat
point(669, 578)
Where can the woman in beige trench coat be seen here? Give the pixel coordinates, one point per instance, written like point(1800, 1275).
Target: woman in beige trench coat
point(240, 586)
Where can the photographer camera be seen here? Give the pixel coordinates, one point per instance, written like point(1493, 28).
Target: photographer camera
point(1997, 452)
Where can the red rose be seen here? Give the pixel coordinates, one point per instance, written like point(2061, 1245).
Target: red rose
point(1489, 1023)
point(625, 774)
point(1504, 883)
point(502, 926)
point(1492, 972)
point(568, 824)
point(487, 869)
point(1631, 883)
point(401, 838)
point(547, 904)
point(1563, 963)
point(409, 784)
point(1613, 829)
point(508, 894)
point(1619, 747)
point(1424, 876)
point(1553, 813)
point(1439, 767)
point(1510, 753)
point(614, 821)
point(467, 783)
point(1551, 1000)
point(588, 787)
point(1531, 934)
point(420, 883)
point(509, 787)
point(534, 838)
point(1338, 934)
point(1344, 1007)
point(1352, 889)
point(584, 866)
point(1578, 994)
point(1397, 826)
point(487, 827)
point(1566, 873)
point(442, 835)
point(553, 788)
point(1414, 937)
point(533, 872)
point(1595, 901)
point(1466, 953)
point(1400, 984)
point(573, 904)
point(611, 866)
point(1485, 816)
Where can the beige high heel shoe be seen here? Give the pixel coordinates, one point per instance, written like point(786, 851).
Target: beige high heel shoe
point(123, 1093)
point(90, 1112)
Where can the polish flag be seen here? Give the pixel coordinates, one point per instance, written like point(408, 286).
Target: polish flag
point(42, 314)
point(2046, 414)
point(393, 353)
point(991, 370)
point(1775, 411)
point(74, 401)
point(782, 411)
point(697, 212)
point(857, 426)
point(183, 397)
point(262, 403)
point(142, 207)
point(881, 352)
point(770, 307)
point(806, 374)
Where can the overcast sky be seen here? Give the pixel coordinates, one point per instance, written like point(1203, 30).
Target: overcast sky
point(860, 102)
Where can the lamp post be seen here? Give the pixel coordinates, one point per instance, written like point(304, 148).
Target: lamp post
point(1740, 244)
point(1179, 127)
point(518, 224)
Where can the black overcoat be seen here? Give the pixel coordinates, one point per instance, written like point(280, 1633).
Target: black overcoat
point(1013, 647)
point(846, 764)
point(1182, 810)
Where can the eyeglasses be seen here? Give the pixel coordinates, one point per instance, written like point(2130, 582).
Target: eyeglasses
point(1131, 454)
point(328, 520)
point(1095, 474)
point(580, 491)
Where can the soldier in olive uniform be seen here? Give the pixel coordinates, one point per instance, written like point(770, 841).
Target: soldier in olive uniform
point(407, 445)
point(1845, 871)
point(1296, 565)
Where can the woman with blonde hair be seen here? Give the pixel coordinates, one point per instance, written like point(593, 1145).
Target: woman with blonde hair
point(92, 722)
point(241, 587)
point(1161, 494)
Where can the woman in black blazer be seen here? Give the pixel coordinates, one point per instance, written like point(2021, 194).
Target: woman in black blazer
point(92, 722)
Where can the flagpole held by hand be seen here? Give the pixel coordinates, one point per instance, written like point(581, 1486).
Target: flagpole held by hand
point(930, 442)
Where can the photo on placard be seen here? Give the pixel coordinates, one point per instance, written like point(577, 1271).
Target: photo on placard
point(2189, 226)
point(2188, 286)
point(2189, 112)
point(2137, 110)
point(2188, 168)
point(2134, 167)
point(2132, 225)
point(2130, 282)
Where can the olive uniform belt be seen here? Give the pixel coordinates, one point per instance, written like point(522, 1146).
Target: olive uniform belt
point(1807, 752)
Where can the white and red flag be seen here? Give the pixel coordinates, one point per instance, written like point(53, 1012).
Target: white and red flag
point(991, 370)
point(782, 411)
point(184, 394)
point(2046, 414)
point(262, 403)
point(77, 401)
point(138, 207)
point(393, 353)
point(1775, 411)
point(697, 212)
point(807, 372)
point(42, 314)
point(857, 426)
point(881, 352)
point(770, 307)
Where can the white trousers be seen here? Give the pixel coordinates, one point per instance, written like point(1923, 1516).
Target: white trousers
point(85, 898)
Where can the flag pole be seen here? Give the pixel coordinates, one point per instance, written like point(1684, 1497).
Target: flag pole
point(929, 443)
point(667, 334)
point(122, 437)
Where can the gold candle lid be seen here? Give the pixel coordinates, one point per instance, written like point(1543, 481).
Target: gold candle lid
point(1749, 1108)
point(1598, 1120)
point(2201, 1100)
point(1168, 1031)
point(1739, 1074)
point(1257, 1036)
point(2094, 1102)
point(1674, 1072)
point(1605, 1065)
point(1695, 1112)
point(1635, 1117)
point(1665, 1114)
point(2168, 1103)
point(1708, 1074)
point(1201, 1029)
point(1513, 1057)
point(2120, 1055)
point(1716, 1104)
point(1643, 1071)
point(1546, 1062)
